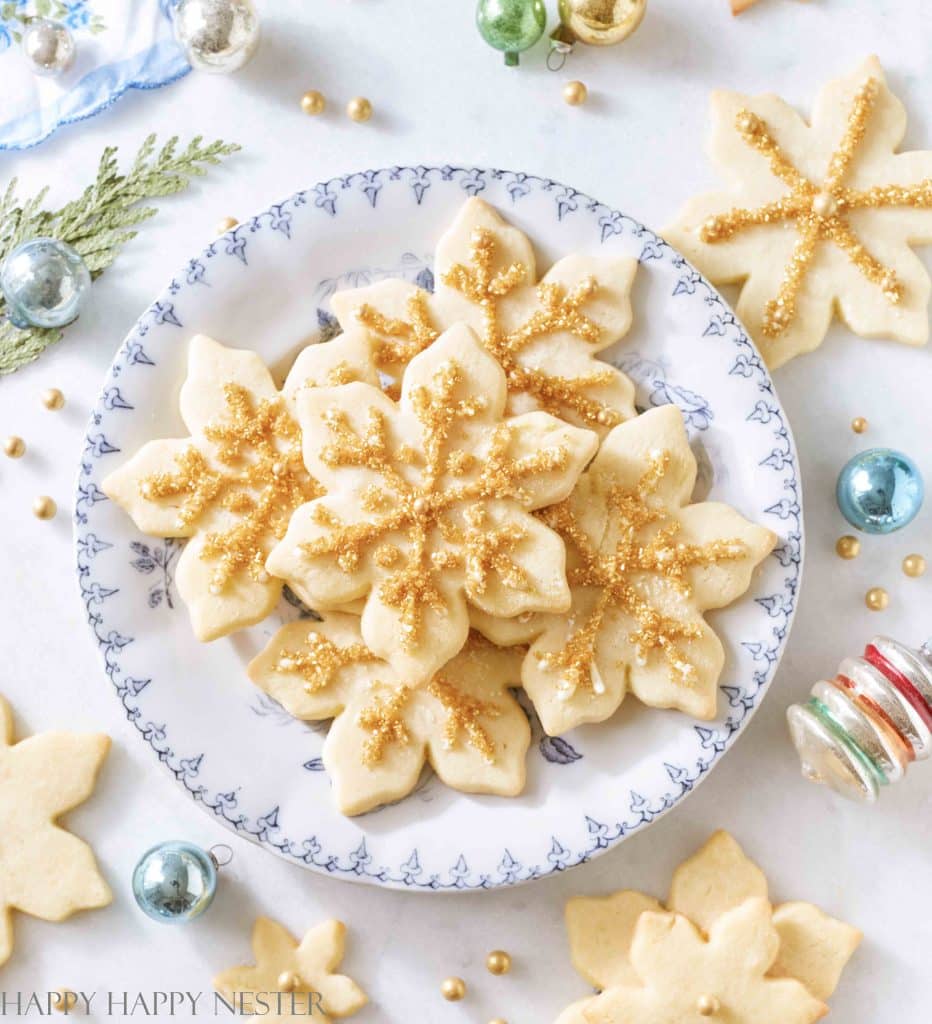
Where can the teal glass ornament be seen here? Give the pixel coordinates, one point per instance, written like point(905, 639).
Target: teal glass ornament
point(176, 881)
point(511, 25)
point(44, 282)
point(880, 490)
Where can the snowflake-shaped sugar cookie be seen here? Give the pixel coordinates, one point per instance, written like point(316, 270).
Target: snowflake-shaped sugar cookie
point(819, 217)
point(463, 720)
point(428, 504)
point(545, 335)
point(293, 981)
point(232, 485)
point(717, 951)
point(643, 565)
point(45, 871)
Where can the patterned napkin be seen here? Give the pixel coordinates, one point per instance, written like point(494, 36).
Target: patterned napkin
point(120, 45)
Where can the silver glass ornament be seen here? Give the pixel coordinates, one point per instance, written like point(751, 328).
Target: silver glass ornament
point(44, 282)
point(48, 46)
point(216, 35)
point(175, 881)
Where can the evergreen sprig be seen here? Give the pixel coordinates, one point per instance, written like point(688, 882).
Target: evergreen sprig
point(98, 223)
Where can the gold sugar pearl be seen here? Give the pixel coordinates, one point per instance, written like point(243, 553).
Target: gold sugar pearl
point(225, 225)
point(498, 962)
point(64, 1000)
point(313, 102)
point(44, 507)
point(498, 1020)
point(453, 989)
point(859, 424)
point(876, 599)
point(53, 399)
point(288, 981)
point(847, 546)
point(707, 1006)
point(575, 93)
point(359, 109)
point(914, 565)
point(14, 447)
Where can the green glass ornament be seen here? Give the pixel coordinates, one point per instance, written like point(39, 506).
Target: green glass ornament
point(511, 25)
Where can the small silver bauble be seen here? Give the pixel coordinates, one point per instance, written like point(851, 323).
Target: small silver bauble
point(44, 282)
point(48, 46)
point(217, 35)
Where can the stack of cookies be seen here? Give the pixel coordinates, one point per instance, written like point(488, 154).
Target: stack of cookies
point(466, 496)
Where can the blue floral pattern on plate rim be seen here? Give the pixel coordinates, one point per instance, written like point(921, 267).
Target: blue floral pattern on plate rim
point(712, 739)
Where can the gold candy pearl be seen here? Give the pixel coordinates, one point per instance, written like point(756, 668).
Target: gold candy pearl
point(706, 1006)
point(288, 981)
point(847, 546)
point(65, 1000)
point(225, 225)
point(14, 447)
point(498, 962)
point(575, 93)
point(914, 565)
point(859, 424)
point(53, 399)
point(313, 102)
point(453, 989)
point(43, 507)
point(876, 599)
point(359, 109)
point(498, 1020)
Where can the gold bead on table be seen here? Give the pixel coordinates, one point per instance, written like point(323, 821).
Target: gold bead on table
point(498, 1020)
point(359, 109)
point(914, 565)
point(847, 546)
point(64, 1000)
point(453, 989)
point(53, 399)
point(14, 447)
point(225, 225)
point(498, 962)
point(859, 424)
point(876, 599)
point(575, 93)
point(44, 507)
point(313, 102)
point(707, 1006)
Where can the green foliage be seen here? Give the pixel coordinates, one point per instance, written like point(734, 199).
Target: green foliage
point(99, 222)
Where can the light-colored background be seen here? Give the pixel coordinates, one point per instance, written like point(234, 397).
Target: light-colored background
point(442, 96)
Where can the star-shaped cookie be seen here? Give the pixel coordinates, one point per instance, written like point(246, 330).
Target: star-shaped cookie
point(817, 218)
point(734, 956)
point(293, 981)
point(428, 504)
point(45, 871)
point(232, 485)
point(464, 720)
point(546, 335)
point(643, 565)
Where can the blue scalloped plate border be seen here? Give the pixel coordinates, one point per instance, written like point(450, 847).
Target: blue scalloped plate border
point(359, 863)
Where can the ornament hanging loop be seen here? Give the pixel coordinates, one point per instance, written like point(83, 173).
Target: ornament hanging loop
point(220, 854)
point(560, 48)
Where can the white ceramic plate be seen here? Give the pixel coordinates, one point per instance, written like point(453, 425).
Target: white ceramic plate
point(266, 286)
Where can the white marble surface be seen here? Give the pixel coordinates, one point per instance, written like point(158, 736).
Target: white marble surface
point(441, 96)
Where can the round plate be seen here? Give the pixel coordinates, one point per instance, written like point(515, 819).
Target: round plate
point(266, 286)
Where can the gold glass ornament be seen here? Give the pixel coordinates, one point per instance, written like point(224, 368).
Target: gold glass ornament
point(44, 507)
point(313, 102)
point(14, 447)
point(359, 109)
point(453, 989)
point(876, 599)
point(498, 962)
point(914, 565)
point(53, 399)
point(847, 546)
point(859, 424)
point(575, 93)
point(596, 22)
